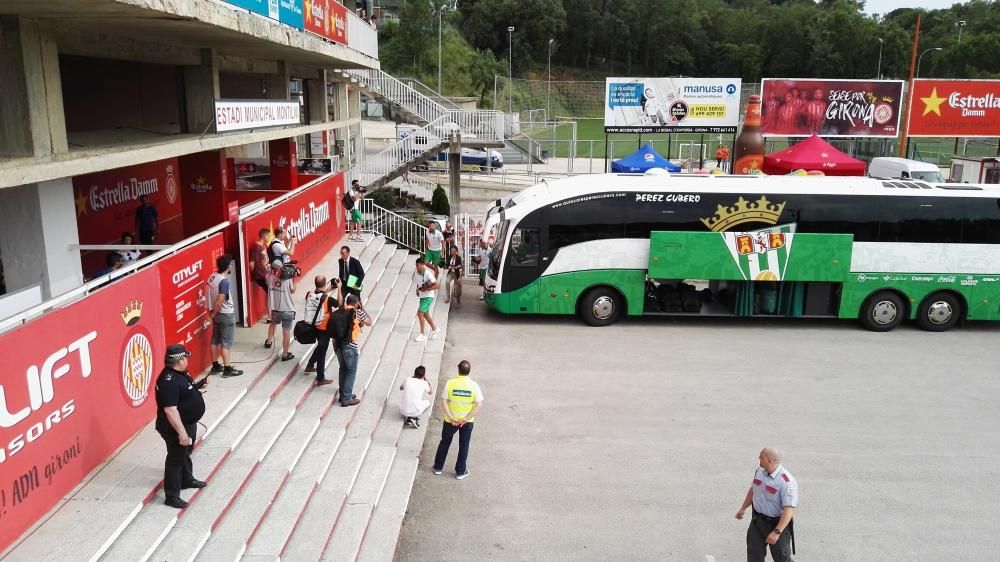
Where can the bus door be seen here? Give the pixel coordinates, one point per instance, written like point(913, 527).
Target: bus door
point(523, 268)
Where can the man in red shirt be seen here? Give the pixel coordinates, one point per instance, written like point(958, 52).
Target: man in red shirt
point(787, 115)
point(258, 257)
point(815, 112)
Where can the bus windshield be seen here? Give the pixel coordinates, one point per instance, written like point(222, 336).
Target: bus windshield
point(496, 257)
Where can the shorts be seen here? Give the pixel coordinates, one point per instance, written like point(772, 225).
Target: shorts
point(285, 317)
point(356, 216)
point(432, 257)
point(222, 330)
point(482, 277)
point(425, 305)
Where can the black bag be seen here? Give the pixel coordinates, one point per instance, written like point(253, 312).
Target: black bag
point(347, 201)
point(306, 332)
point(341, 326)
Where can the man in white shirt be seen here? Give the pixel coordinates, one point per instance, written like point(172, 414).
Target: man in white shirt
point(416, 397)
point(426, 290)
point(319, 304)
point(354, 218)
point(433, 240)
point(282, 246)
point(279, 299)
point(223, 314)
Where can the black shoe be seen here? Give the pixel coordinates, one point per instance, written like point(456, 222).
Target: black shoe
point(231, 372)
point(287, 357)
point(217, 367)
point(268, 344)
point(409, 422)
point(416, 423)
point(176, 502)
point(351, 402)
point(194, 484)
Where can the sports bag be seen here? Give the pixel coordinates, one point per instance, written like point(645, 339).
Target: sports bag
point(306, 332)
point(347, 201)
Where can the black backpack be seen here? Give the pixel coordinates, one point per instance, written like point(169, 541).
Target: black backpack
point(341, 325)
point(347, 201)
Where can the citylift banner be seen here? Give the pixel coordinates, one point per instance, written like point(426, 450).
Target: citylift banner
point(671, 105)
point(955, 108)
point(792, 107)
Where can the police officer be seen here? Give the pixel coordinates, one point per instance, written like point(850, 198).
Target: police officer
point(179, 406)
point(774, 495)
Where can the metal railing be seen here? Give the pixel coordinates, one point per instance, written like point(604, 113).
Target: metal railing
point(426, 90)
point(385, 85)
point(395, 227)
point(392, 161)
point(361, 36)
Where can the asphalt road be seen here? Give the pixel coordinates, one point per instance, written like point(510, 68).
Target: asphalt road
point(638, 441)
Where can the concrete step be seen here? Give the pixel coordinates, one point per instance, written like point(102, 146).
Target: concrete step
point(281, 532)
point(156, 521)
point(245, 513)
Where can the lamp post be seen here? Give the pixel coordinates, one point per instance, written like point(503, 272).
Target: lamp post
point(440, 14)
point(510, 68)
point(920, 58)
point(960, 24)
point(878, 69)
point(548, 85)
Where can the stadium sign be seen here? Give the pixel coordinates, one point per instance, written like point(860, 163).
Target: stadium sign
point(955, 108)
point(830, 108)
point(671, 105)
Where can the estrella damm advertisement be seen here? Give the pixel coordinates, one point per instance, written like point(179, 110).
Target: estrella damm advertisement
point(955, 108)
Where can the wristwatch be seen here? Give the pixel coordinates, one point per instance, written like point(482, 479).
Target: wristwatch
point(776, 531)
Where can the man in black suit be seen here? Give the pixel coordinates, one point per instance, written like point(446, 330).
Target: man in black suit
point(347, 266)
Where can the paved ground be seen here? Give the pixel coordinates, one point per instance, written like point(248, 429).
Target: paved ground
point(638, 441)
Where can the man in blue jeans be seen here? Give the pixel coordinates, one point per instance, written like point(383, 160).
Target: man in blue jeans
point(460, 402)
point(346, 323)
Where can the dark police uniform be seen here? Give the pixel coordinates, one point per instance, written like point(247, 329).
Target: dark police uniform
point(772, 492)
point(177, 388)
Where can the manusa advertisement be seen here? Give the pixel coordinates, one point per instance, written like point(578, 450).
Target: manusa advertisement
point(830, 108)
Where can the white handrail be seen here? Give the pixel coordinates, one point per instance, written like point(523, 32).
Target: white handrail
point(395, 227)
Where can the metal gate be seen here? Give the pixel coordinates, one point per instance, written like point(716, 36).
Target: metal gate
point(468, 232)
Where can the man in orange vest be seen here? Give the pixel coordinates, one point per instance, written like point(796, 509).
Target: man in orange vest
point(721, 154)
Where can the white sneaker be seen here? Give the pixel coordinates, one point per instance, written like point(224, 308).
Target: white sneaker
point(438, 472)
point(462, 476)
point(435, 333)
point(420, 337)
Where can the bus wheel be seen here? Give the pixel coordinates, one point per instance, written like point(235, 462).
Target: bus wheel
point(601, 306)
point(939, 312)
point(883, 311)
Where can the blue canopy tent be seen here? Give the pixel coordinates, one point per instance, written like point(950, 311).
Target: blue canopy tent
point(642, 160)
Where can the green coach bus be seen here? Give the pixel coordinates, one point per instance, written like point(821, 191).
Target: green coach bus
point(881, 251)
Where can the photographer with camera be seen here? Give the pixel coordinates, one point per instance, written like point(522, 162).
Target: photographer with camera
point(282, 247)
point(279, 301)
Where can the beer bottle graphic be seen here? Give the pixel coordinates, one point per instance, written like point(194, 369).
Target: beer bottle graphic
point(749, 152)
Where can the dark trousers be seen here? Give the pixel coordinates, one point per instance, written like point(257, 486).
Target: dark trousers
point(347, 359)
point(177, 467)
point(760, 527)
point(464, 437)
point(146, 237)
point(318, 358)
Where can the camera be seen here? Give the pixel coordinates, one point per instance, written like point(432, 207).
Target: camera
point(290, 270)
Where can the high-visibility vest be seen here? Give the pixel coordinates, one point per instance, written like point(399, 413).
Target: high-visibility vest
point(461, 394)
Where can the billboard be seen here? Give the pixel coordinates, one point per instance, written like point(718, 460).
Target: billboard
point(328, 19)
point(671, 105)
point(76, 384)
point(314, 216)
point(792, 107)
point(955, 108)
point(288, 12)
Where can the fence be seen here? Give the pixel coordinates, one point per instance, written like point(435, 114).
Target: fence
point(394, 226)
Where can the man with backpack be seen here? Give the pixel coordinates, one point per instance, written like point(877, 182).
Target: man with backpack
point(319, 307)
point(345, 332)
point(282, 247)
point(354, 219)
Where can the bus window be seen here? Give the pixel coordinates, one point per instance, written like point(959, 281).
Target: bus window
point(524, 247)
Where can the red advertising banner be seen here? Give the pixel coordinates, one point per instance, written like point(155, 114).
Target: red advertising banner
point(314, 216)
point(106, 203)
point(328, 19)
point(76, 384)
point(955, 108)
point(830, 108)
point(183, 279)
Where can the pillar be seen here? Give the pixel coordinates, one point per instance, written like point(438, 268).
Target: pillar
point(277, 84)
point(317, 112)
point(201, 89)
point(35, 237)
point(32, 119)
point(455, 173)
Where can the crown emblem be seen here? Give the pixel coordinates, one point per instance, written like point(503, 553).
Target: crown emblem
point(132, 312)
point(743, 211)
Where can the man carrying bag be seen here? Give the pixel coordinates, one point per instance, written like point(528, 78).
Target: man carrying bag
point(317, 309)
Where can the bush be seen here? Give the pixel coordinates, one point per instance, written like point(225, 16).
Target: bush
point(383, 197)
point(439, 202)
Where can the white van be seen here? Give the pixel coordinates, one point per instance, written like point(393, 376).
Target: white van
point(903, 168)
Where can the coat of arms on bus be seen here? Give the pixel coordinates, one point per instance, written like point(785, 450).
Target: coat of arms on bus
point(761, 255)
point(742, 212)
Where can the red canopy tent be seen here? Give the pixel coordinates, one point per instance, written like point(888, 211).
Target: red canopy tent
point(813, 153)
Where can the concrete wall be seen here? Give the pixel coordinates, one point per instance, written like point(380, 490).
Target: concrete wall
point(38, 226)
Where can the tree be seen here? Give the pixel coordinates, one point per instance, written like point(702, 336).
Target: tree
point(439, 202)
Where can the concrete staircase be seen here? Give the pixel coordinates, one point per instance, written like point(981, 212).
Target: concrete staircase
point(292, 475)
